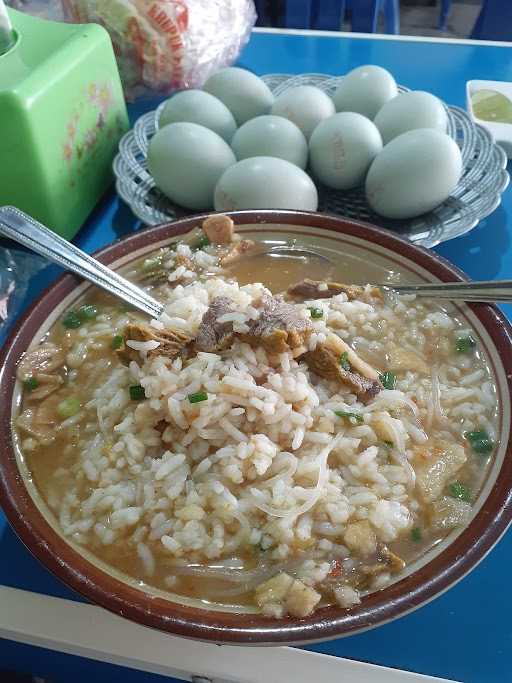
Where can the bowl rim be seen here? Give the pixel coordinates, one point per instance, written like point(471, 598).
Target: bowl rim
point(104, 589)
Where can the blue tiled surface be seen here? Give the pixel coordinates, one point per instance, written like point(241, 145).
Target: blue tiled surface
point(466, 633)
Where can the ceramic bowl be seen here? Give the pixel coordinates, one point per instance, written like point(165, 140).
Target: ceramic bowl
point(433, 573)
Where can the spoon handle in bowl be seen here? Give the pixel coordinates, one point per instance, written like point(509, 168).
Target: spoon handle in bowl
point(25, 230)
point(491, 291)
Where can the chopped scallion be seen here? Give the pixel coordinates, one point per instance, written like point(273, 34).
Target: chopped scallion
point(202, 242)
point(388, 444)
point(71, 320)
point(152, 263)
point(30, 384)
point(68, 407)
point(316, 313)
point(87, 312)
point(465, 344)
point(117, 342)
point(480, 441)
point(344, 362)
point(137, 393)
point(458, 490)
point(353, 417)
point(198, 397)
point(388, 380)
point(416, 534)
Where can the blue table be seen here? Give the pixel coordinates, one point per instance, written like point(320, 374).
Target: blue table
point(466, 634)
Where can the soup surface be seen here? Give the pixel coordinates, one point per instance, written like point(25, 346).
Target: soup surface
point(249, 449)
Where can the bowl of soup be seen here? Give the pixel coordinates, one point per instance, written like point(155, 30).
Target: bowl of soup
point(291, 452)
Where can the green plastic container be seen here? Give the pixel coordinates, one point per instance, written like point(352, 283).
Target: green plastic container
point(62, 113)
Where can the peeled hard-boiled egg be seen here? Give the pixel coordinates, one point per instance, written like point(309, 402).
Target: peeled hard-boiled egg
point(265, 183)
point(196, 106)
point(342, 148)
point(413, 174)
point(271, 136)
point(365, 90)
point(304, 105)
point(186, 160)
point(243, 93)
point(408, 111)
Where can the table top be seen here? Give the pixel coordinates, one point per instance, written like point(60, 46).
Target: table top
point(465, 634)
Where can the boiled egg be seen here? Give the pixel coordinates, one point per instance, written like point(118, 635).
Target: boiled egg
point(186, 161)
point(243, 93)
point(271, 136)
point(413, 174)
point(196, 106)
point(305, 105)
point(342, 148)
point(408, 111)
point(265, 183)
point(365, 90)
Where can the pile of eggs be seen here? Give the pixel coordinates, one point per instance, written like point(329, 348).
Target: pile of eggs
point(234, 146)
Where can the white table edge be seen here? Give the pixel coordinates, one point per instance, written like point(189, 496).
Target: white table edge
point(383, 36)
point(88, 631)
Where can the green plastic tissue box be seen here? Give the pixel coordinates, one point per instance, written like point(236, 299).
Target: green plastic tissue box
point(62, 113)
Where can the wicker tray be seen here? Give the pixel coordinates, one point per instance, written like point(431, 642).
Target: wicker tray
point(476, 196)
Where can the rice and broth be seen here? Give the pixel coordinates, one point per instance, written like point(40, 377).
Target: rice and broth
point(278, 453)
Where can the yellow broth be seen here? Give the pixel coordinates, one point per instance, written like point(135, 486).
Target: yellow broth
point(50, 463)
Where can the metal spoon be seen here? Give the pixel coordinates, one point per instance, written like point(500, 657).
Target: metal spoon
point(21, 228)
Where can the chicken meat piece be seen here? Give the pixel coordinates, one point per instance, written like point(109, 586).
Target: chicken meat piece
point(219, 229)
point(435, 466)
point(213, 336)
point(280, 327)
point(301, 600)
point(171, 342)
point(392, 561)
point(308, 290)
point(404, 359)
point(238, 250)
point(360, 538)
point(44, 358)
point(334, 360)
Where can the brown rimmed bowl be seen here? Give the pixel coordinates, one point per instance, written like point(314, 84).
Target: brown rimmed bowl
point(427, 577)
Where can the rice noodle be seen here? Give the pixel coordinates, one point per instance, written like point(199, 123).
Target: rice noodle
point(398, 451)
point(323, 476)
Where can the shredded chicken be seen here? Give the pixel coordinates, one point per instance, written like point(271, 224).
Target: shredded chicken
point(171, 342)
point(238, 250)
point(45, 358)
point(307, 290)
point(213, 336)
point(219, 229)
point(361, 378)
point(279, 328)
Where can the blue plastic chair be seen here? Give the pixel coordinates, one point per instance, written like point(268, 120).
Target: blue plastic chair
point(446, 6)
point(494, 21)
point(329, 15)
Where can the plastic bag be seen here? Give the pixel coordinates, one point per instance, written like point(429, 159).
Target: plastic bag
point(165, 45)
point(16, 269)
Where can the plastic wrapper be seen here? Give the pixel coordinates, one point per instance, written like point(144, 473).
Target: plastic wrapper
point(166, 45)
point(16, 269)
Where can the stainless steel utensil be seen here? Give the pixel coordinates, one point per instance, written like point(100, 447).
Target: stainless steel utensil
point(21, 228)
